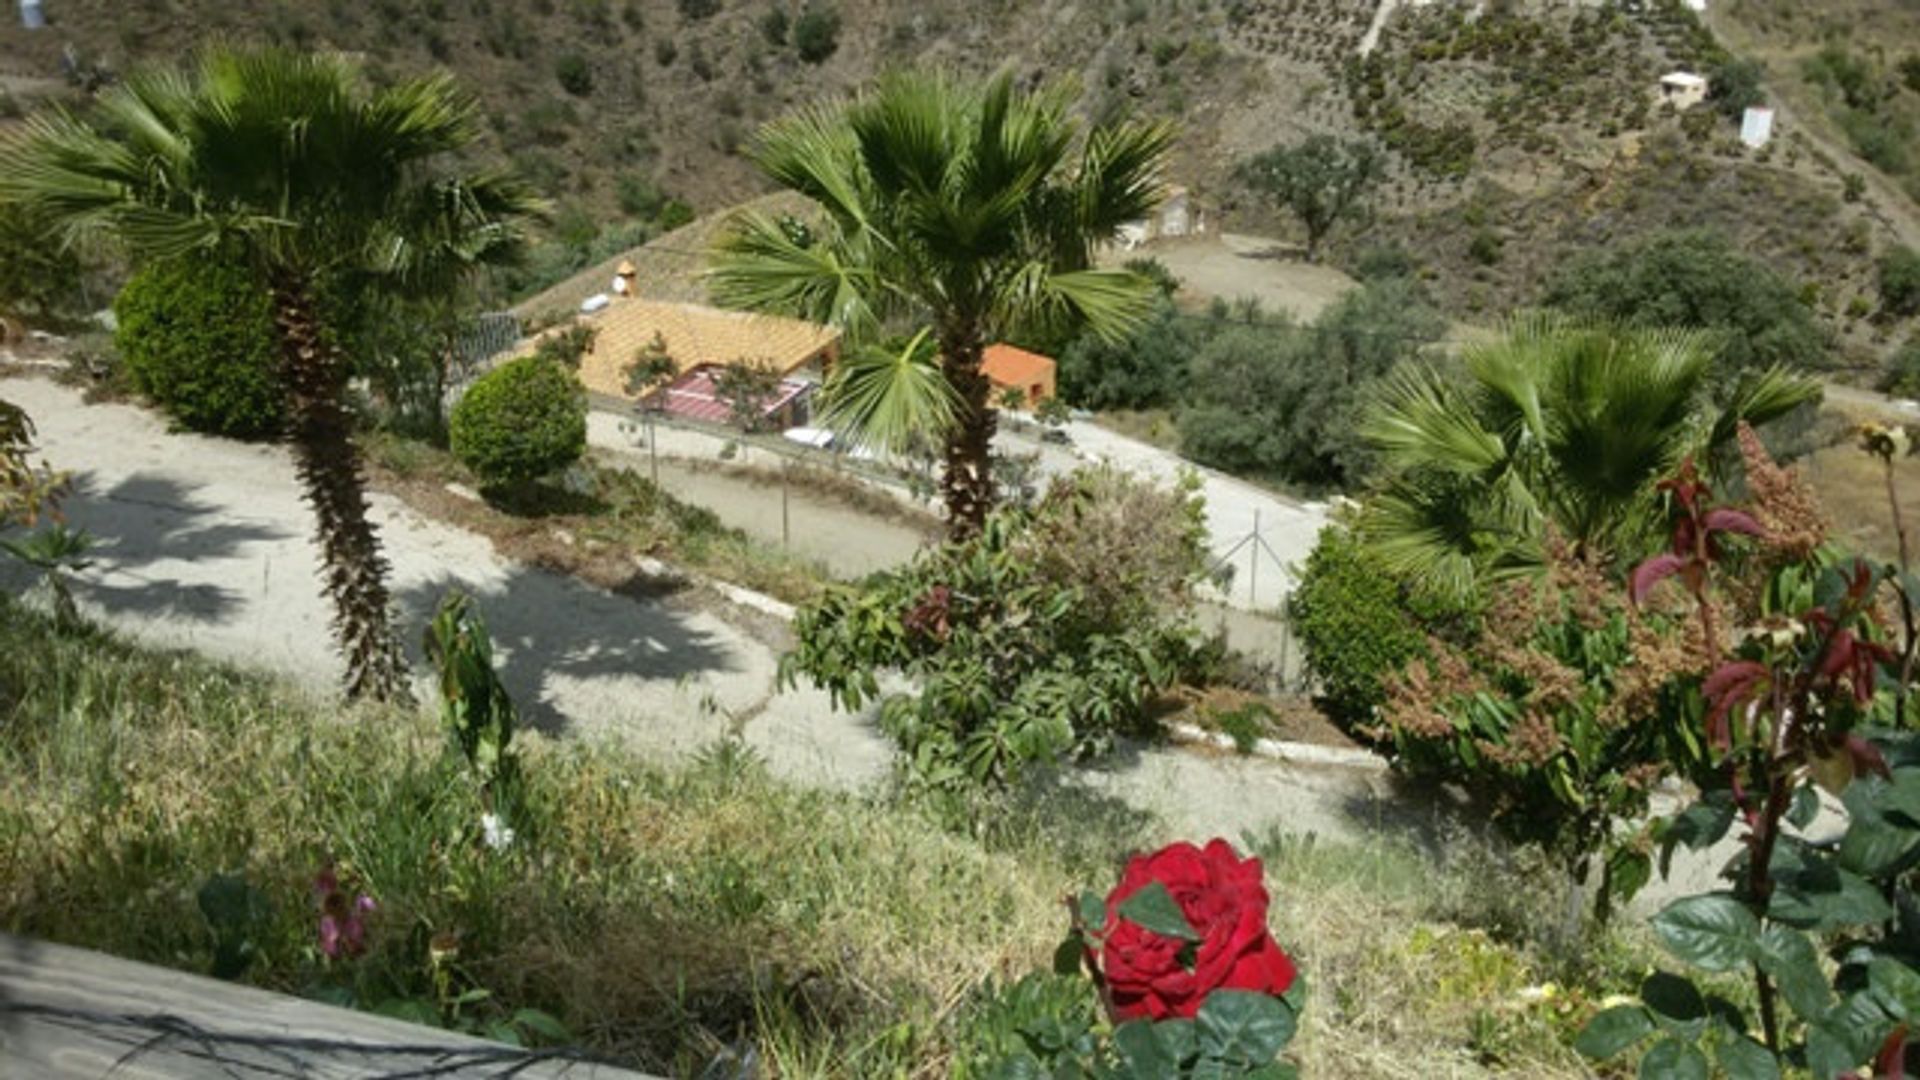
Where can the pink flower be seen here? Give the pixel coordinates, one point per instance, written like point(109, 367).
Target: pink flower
point(343, 923)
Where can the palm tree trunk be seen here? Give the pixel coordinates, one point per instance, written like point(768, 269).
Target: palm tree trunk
point(967, 485)
point(328, 463)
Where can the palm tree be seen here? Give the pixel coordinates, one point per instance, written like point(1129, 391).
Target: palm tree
point(967, 209)
point(1560, 426)
point(289, 161)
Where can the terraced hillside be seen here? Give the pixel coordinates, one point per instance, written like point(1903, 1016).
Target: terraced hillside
point(1521, 132)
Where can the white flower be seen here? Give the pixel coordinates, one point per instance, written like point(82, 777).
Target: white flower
point(495, 833)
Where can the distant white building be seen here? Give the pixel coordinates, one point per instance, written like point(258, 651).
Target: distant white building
point(1696, 5)
point(1176, 213)
point(32, 15)
point(1683, 89)
point(1756, 127)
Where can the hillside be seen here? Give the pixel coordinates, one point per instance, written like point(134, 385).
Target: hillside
point(1520, 136)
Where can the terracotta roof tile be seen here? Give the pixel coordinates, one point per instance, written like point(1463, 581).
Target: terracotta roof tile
point(1008, 365)
point(696, 336)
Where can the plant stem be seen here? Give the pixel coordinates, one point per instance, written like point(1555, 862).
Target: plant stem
point(1902, 688)
point(1760, 892)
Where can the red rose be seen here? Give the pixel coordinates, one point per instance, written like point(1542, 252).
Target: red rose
point(1222, 896)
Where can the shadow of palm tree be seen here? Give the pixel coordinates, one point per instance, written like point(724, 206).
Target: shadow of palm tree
point(548, 628)
point(146, 529)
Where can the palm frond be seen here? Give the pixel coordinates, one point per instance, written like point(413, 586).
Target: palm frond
point(885, 398)
point(1111, 303)
point(1762, 396)
point(1418, 420)
point(758, 267)
point(1120, 176)
point(1424, 533)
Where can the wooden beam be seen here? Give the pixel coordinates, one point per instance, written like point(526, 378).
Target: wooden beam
point(67, 1012)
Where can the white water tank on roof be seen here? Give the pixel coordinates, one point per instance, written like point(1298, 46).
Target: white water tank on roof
point(32, 15)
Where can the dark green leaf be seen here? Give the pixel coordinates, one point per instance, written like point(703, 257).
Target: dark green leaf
point(1703, 824)
point(411, 1010)
point(1712, 931)
point(1806, 806)
point(542, 1024)
point(1067, 958)
point(502, 1032)
point(1628, 871)
point(1821, 896)
point(1788, 956)
point(1896, 985)
point(1153, 908)
point(1154, 1049)
point(1021, 1066)
point(1671, 1059)
point(1847, 1036)
point(1744, 1058)
point(1296, 995)
point(1244, 1026)
point(1093, 911)
point(1676, 1005)
point(1613, 1031)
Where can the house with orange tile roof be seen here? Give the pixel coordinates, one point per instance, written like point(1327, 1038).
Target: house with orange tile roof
point(695, 336)
point(1009, 367)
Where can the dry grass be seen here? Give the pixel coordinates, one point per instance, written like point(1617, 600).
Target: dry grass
point(1853, 487)
point(663, 915)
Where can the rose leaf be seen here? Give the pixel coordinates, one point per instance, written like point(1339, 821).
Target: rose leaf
point(1153, 908)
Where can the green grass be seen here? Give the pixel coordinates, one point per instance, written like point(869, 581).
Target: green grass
point(661, 914)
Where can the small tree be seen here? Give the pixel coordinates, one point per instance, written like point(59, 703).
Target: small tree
point(747, 386)
point(567, 347)
point(1736, 86)
point(816, 34)
point(1323, 181)
point(1900, 282)
point(651, 367)
point(521, 421)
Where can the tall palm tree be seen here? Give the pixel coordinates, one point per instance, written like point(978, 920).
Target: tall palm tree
point(291, 162)
point(971, 210)
point(1559, 425)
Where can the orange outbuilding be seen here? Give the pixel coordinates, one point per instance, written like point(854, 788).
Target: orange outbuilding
point(1009, 367)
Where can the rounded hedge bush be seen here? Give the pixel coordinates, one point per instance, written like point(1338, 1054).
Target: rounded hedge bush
point(521, 421)
point(1358, 622)
point(198, 338)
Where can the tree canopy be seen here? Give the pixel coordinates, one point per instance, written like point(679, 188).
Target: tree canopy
point(1322, 180)
point(1697, 280)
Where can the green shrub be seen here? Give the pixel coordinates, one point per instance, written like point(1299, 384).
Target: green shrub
point(1698, 279)
point(1901, 376)
point(1141, 371)
point(1280, 401)
point(521, 421)
point(1018, 650)
point(775, 24)
point(1900, 282)
point(816, 34)
point(1358, 622)
point(198, 338)
point(575, 75)
point(39, 276)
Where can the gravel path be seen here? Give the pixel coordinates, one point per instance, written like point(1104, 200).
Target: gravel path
point(203, 545)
